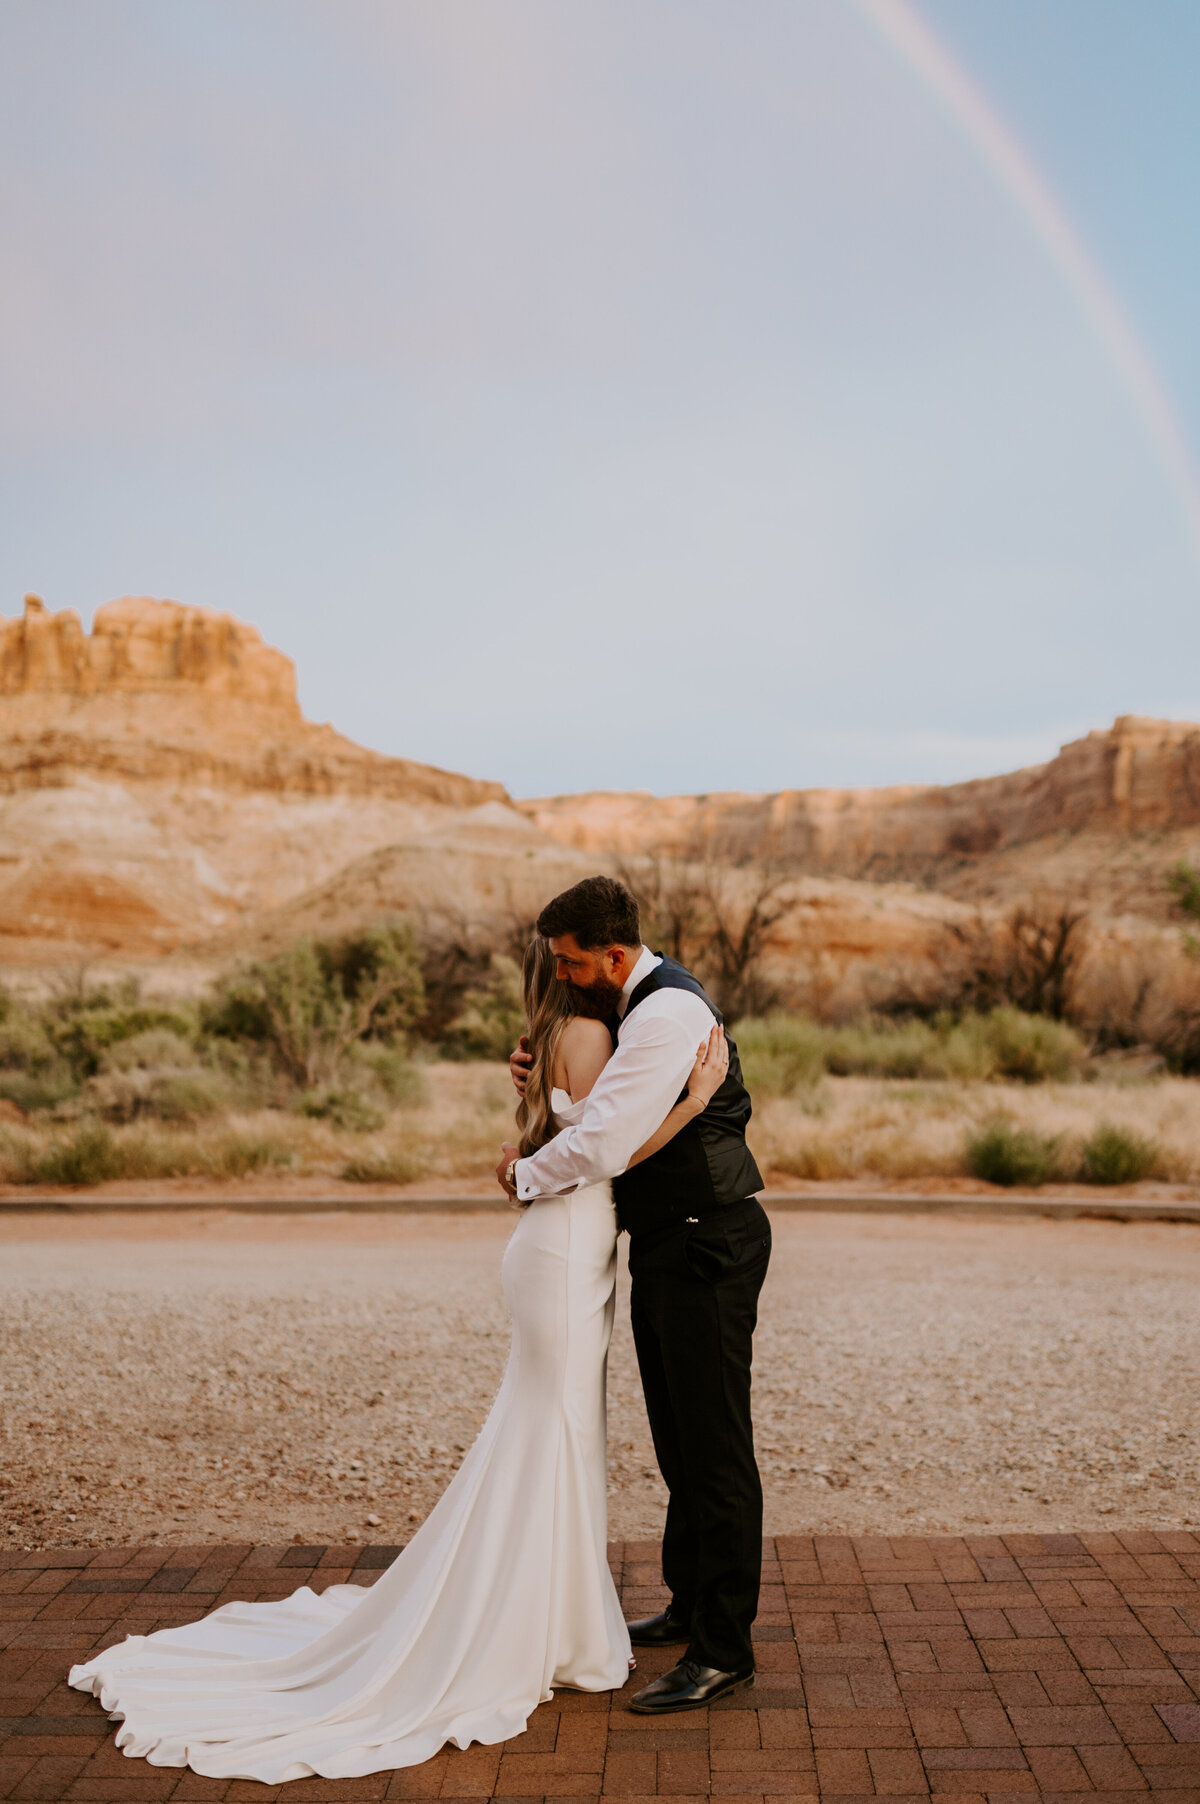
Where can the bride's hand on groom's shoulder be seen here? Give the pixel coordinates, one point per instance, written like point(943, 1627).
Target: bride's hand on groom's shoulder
point(711, 1067)
point(519, 1061)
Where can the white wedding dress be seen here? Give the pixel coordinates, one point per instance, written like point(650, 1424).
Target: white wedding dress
point(502, 1594)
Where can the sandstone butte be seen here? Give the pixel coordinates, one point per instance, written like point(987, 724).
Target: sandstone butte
point(162, 795)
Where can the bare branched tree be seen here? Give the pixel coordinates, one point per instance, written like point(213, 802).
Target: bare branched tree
point(714, 916)
point(1030, 959)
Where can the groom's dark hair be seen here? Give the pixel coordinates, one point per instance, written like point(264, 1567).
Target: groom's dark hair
point(599, 912)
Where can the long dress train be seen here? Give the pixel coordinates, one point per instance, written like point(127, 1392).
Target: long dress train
point(503, 1593)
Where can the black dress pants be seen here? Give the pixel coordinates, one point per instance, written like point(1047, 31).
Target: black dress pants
point(694, 1308)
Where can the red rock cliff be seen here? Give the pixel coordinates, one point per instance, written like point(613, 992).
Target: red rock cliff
point(158, 690)
point(1140, 776)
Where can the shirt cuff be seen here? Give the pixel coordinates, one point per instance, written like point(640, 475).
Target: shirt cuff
point(528, 1192)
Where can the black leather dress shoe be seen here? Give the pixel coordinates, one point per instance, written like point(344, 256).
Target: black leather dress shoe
point(658, 1631)
point(686, 1687)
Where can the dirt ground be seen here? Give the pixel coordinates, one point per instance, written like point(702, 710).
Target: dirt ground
point(220, 1377)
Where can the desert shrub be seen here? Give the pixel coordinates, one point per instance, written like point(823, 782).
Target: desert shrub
point(188, 1095)
point(151, 1049)
point(24, 1043)
point(492, 1018)
point(33, 1090)
point(1003, 1154)
point(1030, 1048)
point(393, 1072)
point(396, 1166)
point(155, 1073)
point(884, 1049)
point(85, 1035)
point(167, 1095)
point(311, 1003)
point(238, 1152)
point(345, 1108)
point(781, 1053)
point(1117, 1155)
point(88, 1156)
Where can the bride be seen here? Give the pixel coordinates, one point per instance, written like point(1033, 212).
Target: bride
point(504, 1592)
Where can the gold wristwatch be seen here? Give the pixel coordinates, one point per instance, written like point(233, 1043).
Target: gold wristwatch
point(510, 1176)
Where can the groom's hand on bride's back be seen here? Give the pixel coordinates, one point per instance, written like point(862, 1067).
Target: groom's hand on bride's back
point(519, 1061)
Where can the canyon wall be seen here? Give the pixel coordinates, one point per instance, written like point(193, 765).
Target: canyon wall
point(1138, 777)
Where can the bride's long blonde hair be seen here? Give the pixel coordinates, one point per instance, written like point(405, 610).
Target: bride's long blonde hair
point(549, 1005)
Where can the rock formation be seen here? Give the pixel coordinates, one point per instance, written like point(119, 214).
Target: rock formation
point(158, 781)
point(1140, 777)
point(159, 690)
point(161, 790)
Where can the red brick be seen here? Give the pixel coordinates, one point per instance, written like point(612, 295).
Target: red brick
point(631, 1775)
point(1058, 1727)
point(1058, 1769)
point(786, 1728)
point(682, 1770)
point(1110, 1768)
point(470, 1772)
point(544, 1775)
point(896, 1770)
point(843, 1770)
point(937, 1728)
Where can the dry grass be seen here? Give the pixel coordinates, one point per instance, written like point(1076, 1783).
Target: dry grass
point(839, 1128)
point(455, 1132)
point(860, 1127)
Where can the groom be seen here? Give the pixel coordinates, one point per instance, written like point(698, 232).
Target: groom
point(699, 1243)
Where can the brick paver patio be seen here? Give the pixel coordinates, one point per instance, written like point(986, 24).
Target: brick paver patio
point(1060, 1666)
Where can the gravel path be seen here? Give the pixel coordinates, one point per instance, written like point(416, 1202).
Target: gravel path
point(217, 1377)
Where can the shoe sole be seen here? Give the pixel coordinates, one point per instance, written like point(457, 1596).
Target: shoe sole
point(690, 1703)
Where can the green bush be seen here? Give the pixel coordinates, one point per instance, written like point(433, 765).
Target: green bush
point(393, 1072)
point(188, 1095)
point(1003, 1154)
point(24, 1043)
point(33, 1090)
point(492, 1017)
point(89, 1156)
point(311, 1003)
point(1031, 1048)
point(782, 1053)
point(885, 1049)
point(1116, 1155)
point(85, 1035)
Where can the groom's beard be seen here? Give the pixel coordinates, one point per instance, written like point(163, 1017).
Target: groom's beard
point(598, 1001)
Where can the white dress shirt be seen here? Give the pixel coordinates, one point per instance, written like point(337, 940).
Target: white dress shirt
point(633, 1095)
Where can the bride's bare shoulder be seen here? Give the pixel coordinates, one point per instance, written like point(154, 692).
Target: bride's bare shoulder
point(583, 1051)
point(583, 1034)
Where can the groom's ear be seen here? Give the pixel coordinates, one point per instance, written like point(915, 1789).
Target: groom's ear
point(619, 961)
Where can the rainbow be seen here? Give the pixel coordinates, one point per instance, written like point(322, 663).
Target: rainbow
point(942, 77)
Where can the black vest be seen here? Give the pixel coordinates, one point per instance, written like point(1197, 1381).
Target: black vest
point(707, 1165)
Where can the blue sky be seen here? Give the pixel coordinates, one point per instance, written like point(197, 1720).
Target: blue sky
point(659, 394)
